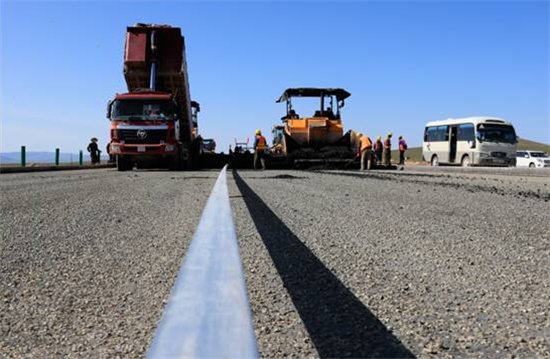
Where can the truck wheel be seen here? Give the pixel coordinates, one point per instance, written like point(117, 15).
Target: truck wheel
point(531, 165)
point(121, 164)
point(465, 161)
point(435, 161)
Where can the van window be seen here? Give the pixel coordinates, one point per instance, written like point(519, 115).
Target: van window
point(522, 154)
point(442, 133)
point(466, 132)
point(431, 134)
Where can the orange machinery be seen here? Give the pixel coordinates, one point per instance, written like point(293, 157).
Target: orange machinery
point(316, 138)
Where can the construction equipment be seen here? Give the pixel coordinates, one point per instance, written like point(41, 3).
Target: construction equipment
point(241, 155)
point(155, 121)
point(208, 145)
point(312, 140)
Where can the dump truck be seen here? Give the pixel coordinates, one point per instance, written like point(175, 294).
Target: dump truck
point(316, 139)
point(155, 122)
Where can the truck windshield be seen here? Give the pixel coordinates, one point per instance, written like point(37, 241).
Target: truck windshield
point(496, 133)
point(143, 109)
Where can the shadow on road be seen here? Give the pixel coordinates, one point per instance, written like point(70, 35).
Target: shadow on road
point(337, 321)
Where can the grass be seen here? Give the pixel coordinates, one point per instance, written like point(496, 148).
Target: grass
point(415, 153)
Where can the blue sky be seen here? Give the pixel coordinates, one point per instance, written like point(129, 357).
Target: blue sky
point(405, 63)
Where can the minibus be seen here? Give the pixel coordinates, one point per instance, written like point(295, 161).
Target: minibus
point(471, 141)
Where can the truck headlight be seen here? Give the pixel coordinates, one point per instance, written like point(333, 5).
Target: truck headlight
point(115, 147)
point(169, 148)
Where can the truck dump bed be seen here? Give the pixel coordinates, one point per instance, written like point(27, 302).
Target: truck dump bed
point(171, 73)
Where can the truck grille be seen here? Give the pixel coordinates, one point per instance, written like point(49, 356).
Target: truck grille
point(150, 137)
point(498, 154)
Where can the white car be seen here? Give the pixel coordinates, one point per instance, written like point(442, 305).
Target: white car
point(532, 159)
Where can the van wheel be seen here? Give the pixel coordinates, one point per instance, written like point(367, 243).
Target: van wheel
point(465, 161)
point(435, 161)
point(531, 165)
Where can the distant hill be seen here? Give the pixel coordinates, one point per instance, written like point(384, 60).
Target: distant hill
point(415, 153)
point(42, 157)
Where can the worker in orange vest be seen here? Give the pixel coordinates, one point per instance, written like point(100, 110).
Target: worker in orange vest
point(260, 145)
point(365, 151)
point(387, 150)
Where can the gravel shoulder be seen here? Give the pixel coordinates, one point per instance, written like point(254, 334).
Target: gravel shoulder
point(449, 266)
point(87, 258)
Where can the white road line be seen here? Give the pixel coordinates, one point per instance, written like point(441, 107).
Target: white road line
point(208, 314)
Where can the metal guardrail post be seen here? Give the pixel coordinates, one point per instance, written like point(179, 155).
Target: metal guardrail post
point(57, 156)
point(80, 158)
point(208, 314)
point(23, 156)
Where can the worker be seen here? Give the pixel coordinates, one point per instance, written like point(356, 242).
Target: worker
point(365, 151)
point(260, 145)
point(402, 149)
point(387, 150)
point(378, 149)
point(94, 151)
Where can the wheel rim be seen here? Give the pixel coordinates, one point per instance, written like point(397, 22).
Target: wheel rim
point(435, 161)
point(465, 161)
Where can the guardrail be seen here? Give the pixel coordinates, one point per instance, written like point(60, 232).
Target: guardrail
point(56, 157)
point(208, 314)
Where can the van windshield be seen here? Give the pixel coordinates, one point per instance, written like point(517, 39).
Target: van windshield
point(538, 154)
point(496, 133)
point(143, 109)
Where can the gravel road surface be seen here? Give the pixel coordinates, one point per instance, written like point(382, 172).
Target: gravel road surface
point(88, 257)
point(394, 264)
point(338, 264)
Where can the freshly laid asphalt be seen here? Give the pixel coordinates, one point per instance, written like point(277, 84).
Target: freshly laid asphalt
point(338, 264)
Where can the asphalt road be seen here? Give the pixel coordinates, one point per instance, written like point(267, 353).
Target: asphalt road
point(387, 264)
point(88, 257)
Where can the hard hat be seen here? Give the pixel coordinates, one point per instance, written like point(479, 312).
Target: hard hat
point(359, 134)
point(390, 134)
point(258, 132)
point(379, 138)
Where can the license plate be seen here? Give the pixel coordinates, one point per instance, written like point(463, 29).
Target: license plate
point(141, 148)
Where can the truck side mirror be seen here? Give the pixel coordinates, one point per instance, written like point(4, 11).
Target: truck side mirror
point(109, 108)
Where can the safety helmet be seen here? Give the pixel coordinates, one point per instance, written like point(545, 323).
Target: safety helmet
point(379, 138)
point(258, 132)
point(390, 134)
point(359, 134)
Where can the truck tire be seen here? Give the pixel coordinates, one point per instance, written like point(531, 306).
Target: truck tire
point(122, 164)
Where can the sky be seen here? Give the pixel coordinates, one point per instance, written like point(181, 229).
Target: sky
point(405, 64)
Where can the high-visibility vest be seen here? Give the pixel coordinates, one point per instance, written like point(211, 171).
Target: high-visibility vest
point(366, 143)
point(387, 143)
point(261, 143)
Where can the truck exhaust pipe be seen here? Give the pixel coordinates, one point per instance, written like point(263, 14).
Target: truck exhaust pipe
point(153, 80)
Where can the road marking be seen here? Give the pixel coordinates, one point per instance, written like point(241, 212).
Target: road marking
point(208, 314)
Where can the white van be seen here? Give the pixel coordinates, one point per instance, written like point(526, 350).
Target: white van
point(479, 141)
point(532, 159)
